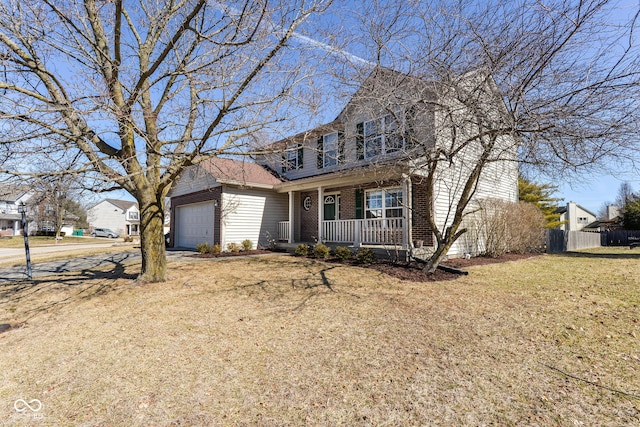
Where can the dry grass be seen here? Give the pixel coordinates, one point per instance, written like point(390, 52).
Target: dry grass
point(284, 341)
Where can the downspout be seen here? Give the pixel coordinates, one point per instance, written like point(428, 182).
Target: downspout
point(409, 217)
point(291, 215)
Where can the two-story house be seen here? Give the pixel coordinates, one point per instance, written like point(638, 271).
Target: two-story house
point(356, 181)
point(574, 217)
point(11, 197)
point(122, 216)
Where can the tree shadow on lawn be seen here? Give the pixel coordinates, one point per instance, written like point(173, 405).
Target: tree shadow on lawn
point(293, 294)
point(17, 296)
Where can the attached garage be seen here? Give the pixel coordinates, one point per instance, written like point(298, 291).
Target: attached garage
point(194, 224)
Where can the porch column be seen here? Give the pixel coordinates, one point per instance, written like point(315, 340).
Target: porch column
point(291, 214)
point(320, 212)
point(16, 228)
point(406, 211)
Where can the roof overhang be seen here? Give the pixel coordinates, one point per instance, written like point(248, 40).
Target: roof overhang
point(244, 184)
point(356, 176)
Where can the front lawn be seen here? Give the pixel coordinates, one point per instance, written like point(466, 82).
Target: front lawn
point(552, 340)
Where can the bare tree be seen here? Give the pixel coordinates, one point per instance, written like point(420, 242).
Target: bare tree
point(55, 202)
point(624, 196)
point(556, 82)
point(142, 89)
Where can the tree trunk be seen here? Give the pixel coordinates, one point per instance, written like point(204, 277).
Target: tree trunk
point(434, 260)
point(154, 257)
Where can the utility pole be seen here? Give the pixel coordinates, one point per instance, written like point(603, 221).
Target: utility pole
point(25, 232)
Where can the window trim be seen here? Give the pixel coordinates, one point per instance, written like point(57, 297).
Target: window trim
point(383, 208)
point(380, 125)
point(335, 151)
point(292, 155)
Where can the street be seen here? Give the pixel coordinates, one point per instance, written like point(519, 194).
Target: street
point(14, 254)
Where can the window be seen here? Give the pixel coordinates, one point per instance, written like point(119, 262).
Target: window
point(133, 215)
point(384, 203)
point(330, 150)
point(582, 220)
point(381, 136)
point(292, 158)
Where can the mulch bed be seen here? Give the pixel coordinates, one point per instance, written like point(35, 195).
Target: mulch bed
point(411, 271)
point(232, 254)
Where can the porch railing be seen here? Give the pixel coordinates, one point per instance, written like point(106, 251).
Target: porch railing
point(283, 231)
point(378, 231)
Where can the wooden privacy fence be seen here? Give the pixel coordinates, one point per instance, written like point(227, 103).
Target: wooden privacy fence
point(562, 241)
point(620, 237)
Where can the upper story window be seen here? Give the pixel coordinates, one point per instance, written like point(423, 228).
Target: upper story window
point(583, 220)
point(385, 203)
point(380, 136)
point(329, 150)
point(133, 215)
point(292, 158)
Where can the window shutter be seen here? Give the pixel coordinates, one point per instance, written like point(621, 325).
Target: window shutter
point(320, 163)
point(283, 165)
point(340, 147)
point(359, 204)
point(360, 140)
point(300, 155)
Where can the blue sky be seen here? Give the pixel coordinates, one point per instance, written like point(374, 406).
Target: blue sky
point(592, 191)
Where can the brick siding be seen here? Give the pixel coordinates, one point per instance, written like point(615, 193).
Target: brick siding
point(309, 219)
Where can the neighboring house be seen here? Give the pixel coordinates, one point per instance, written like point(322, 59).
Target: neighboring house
point(613, 221)
point(575, 217)
point(11, 196)
point(45, 214)
point(348, 182)
point(122, 216)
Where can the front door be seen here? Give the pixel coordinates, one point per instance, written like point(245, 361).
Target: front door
point(331, 207)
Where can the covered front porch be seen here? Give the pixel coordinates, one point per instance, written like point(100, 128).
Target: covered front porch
point(358, 208)
point(355, 232)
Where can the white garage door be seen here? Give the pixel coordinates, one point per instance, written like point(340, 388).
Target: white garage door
point(194, 224)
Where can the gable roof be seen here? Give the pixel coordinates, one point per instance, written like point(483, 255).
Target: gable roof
point(563, 209)
point(12, 192)
point(238, 172)
point(122, 204)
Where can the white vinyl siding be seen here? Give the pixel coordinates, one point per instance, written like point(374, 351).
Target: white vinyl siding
point(107, 215)
point(192, 180)
point(251, 214)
